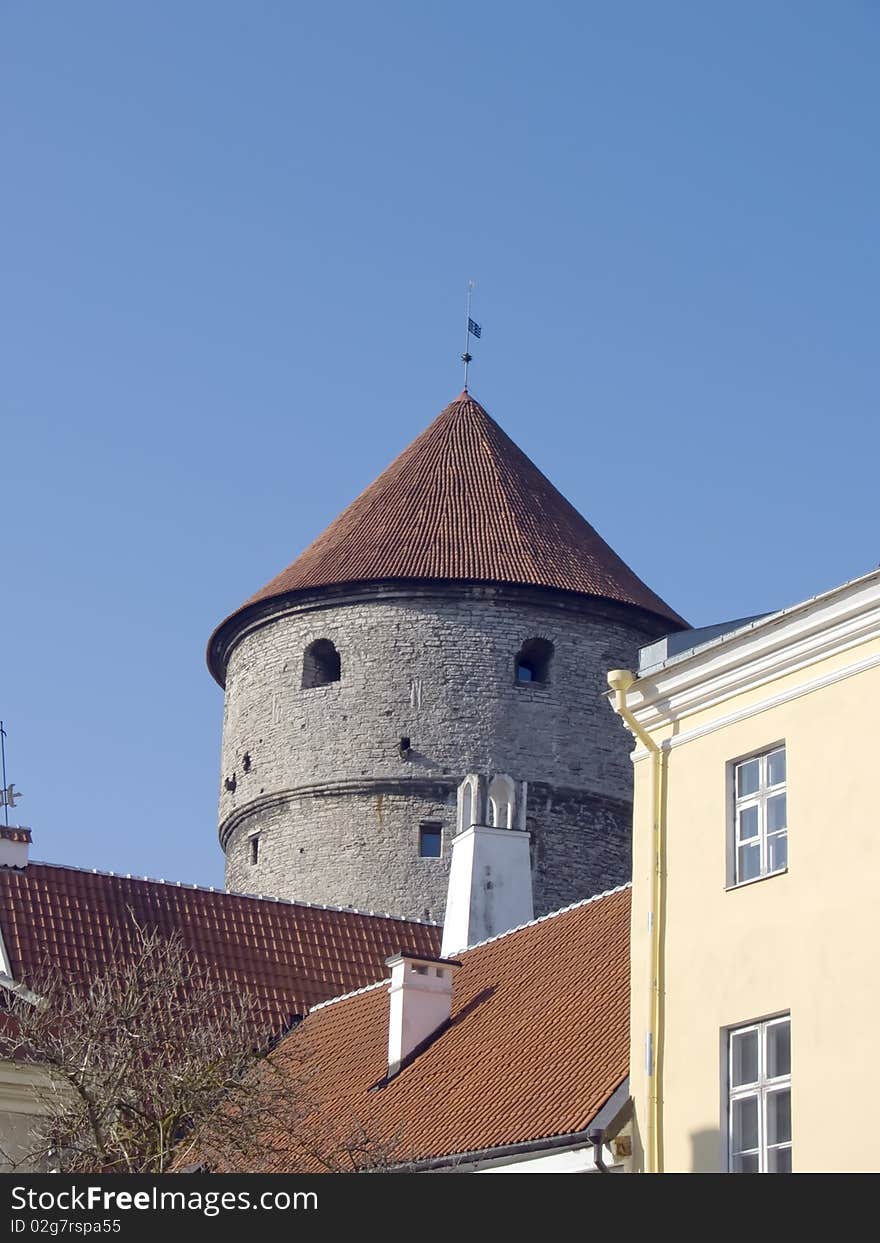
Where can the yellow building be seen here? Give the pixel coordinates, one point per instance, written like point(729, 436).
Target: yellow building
point(756, 890)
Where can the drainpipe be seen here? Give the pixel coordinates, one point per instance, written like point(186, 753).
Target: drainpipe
point(597, 1139)
point(620, 680)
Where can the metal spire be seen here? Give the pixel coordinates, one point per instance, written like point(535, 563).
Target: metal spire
point(473, 330)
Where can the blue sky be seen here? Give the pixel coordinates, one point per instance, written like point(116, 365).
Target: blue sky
point(236, 242)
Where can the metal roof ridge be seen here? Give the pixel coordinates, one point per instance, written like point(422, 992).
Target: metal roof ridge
point(233, 893)
point(759, 621)
point(540, 919)
point(355, 992)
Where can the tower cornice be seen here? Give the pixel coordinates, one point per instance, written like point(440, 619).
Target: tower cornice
point(262, 613)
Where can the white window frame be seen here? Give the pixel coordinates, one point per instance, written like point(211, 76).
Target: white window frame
point(759, 800)
point(762, 1089)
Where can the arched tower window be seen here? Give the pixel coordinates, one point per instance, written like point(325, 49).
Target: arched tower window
point(501, 799)
point(533, 661)
point(320, 664)
point(469, 798)
point(467, 806)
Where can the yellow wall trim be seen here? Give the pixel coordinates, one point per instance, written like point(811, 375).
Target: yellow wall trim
point(764, 705)
point(766, 651)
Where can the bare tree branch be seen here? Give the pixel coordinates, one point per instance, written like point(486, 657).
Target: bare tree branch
point(138, 1057)
point(156, 1060)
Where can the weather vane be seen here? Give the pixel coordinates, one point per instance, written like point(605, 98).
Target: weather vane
point(473, 330)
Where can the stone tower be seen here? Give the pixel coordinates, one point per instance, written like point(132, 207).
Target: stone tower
point(458, 617)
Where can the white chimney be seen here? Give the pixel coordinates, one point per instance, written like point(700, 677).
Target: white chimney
point(14, 845)
point(490, 875)
point(420, 1002)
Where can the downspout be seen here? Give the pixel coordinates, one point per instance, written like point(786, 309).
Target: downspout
point(597, 1139)
point(620, 680)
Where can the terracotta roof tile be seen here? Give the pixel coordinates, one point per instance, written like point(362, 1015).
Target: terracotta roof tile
point(289, 955)
point(463, 502)
point(538, 1042)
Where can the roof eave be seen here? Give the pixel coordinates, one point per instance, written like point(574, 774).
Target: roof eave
point(225, 636)
point(604, 1116)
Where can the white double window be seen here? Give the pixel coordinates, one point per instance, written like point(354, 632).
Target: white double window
point(760, 845)
point(759, 1114)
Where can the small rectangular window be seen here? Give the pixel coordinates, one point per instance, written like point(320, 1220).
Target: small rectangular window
point(760, 819)
point(430, 839)
point(759, 1092)
point(255, 849)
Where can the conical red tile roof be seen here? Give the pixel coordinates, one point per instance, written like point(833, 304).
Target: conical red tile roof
point(463, 502)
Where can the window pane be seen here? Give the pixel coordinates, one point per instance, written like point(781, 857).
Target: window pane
point(776, 813)
point(745, 1124)
point(747, 778)
point(430, 842)
point(778, 1049)
point(743, 1059)
point(779, 1161)
point(777, 852)
point(776, 767)
point(745, 1164)
point(748, 823)
point(748, 862)
point(779, 1117)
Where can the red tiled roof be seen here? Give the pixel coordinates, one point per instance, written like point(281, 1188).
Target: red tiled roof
point(288, 955)
point(463, 502)
point(538, 1042)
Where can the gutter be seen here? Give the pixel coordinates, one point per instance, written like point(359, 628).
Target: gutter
point(572, 1139)
point(620, 681)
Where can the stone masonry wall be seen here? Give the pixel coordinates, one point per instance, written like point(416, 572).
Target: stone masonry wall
point(319, 774)
point(579, 843)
